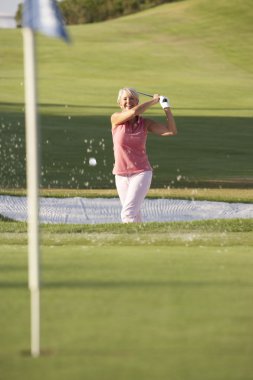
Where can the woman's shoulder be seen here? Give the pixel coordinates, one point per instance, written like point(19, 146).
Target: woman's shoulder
point(114, 119)
point(115, 114)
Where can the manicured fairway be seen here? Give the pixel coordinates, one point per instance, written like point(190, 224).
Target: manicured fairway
point(111, 312)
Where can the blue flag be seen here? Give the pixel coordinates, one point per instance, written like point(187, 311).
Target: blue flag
point(45, 17)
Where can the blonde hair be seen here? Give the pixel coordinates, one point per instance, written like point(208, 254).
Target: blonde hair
point(129, 91)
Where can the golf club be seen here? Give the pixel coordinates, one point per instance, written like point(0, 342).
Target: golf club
point(143, 93)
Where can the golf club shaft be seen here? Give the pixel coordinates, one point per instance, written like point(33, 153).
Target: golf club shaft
point(143, 93)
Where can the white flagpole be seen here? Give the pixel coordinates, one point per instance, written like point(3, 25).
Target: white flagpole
point(32, 158)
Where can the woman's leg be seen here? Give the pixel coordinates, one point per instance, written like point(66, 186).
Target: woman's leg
point(132, 191)
point(122, 183)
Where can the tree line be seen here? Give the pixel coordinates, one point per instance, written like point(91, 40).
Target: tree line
point(88, 11)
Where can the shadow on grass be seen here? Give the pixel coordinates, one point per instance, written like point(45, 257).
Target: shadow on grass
point(104, 285)
point(84, 106)
point(209, 151)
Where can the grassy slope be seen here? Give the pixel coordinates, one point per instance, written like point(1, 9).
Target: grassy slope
point(197, 52)
point(193, 43)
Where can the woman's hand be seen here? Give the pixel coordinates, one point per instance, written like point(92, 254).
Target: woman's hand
point(164, 101)
point(156, 98)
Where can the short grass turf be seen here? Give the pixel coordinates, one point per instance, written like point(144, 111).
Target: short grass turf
point(131, 313)
point(237, 195)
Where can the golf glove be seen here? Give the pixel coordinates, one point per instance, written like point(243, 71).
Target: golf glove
point(165, 103)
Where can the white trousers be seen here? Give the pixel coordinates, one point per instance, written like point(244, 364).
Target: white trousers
point(132, 190)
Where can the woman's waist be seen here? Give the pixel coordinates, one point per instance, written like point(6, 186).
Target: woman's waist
point(132, 162)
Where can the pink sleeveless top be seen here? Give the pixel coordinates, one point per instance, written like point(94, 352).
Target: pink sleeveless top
point(129, 144)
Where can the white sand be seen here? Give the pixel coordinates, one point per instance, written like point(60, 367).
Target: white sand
point(101, 210)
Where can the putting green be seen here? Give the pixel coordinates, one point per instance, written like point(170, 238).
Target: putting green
point(131, 313)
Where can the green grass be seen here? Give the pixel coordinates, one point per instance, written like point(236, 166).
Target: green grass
point(131, 313)
point(147, 301)
point(228, 232)
point(209, 151)
point(211, 194)
point(199, 54)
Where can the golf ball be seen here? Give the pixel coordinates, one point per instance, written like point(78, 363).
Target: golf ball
point(92, 161)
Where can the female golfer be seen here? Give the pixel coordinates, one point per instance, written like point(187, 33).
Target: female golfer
point(133, 173)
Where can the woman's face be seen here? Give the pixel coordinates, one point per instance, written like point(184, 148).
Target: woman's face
point(127, 101)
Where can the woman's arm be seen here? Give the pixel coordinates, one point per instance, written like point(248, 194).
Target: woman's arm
point(119, 118)
point(168, 129)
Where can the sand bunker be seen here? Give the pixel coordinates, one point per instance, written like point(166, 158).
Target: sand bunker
point(102, 210)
